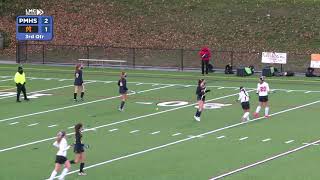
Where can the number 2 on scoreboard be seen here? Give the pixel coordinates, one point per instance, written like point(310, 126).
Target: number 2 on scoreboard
point(45, 20)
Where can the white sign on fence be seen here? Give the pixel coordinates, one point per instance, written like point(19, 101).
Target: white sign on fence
point(274, 58)
point(315, 61)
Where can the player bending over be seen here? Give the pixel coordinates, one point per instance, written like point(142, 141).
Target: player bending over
point(262, 90)
point(244, 99)
point(61, 157)
point(122, 83)
point(79, 149)
point(78, 82)
point(201, 97)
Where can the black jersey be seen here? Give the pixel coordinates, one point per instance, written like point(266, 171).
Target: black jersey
point(78, 138)
point(78, 146)
point(122, 83)
point(200, 92)
point(78, 80)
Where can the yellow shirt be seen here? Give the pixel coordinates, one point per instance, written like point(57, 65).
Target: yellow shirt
point(20, 78)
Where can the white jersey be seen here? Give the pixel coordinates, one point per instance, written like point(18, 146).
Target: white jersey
point(263, 89)
point(243, 96)
point(63, 147)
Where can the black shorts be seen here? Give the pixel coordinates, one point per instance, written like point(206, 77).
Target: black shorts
point(123, 90)
point(263, 99)
point(201, 98)
point(78, 148)
point(245, 105)
point(61, 159)
point(78, 83)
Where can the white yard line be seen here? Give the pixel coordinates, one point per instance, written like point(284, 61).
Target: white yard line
point(266, 140)
point(54, 125)
point(176, 134)
point(13, 123)
point(220, 137)
point(144, 103)
point(156, 132)
point(200, 135)
point(184, 85)
point(315, 144)
point(243, 138)
point(111, 130)
point(160, 112)
point(44, 90)
point(81, 104)
point(134, 131)
point(11, 79)
point(265, 160)
point(34, 124)
point(290, 141)
point(114, 123)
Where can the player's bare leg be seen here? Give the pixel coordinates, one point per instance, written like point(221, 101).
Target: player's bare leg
point(198, 113)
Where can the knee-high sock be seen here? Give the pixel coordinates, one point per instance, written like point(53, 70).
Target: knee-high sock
point(81, 167)
point(199, 113)
point(258, 109)
point(53, 174)
point(246, 116)
point(266, 111)
point(64, 173)
point(74, 95)
point(122, 104)
point(82, 94)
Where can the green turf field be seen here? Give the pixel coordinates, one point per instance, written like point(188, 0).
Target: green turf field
point(159, 143)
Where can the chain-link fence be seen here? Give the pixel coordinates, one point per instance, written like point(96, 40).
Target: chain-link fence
point(177, 59)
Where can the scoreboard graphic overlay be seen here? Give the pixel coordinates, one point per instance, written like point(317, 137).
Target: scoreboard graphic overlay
point(34, 28)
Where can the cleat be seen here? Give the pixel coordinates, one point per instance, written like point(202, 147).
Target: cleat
point(255, 115)
point(26, 99)
point(18, 101)
point(82, 174)
point(121, 110)
point(75, 100)
point(266, 116)
point(197, 118)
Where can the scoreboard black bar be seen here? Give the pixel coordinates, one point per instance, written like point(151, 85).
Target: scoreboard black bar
point(28, 29)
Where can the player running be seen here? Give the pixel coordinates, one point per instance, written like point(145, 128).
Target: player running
point(244, 99)
point(123, 89)
point(61, 157)
point(262, 90)
point(201, 97)
point(78, 83)
point(79, 149)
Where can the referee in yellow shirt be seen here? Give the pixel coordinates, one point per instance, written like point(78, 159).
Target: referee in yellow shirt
point(20, 80)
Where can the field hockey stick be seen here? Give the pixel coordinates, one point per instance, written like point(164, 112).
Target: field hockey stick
point(131, 91)
point(204, 93)
point(86, 146)
point(272, 91)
